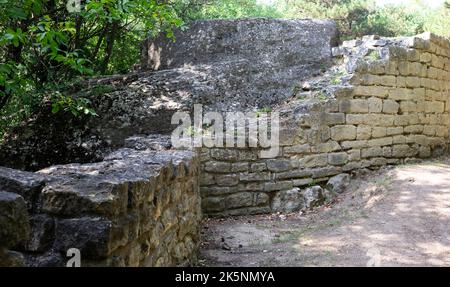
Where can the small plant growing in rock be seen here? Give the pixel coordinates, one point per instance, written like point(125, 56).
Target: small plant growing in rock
point(101, 90)
point(321, 96)
point(265, 110)
point(373, 56)
point(76, 106)
point(337, 78)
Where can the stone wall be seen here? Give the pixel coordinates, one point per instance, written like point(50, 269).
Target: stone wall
point(389, 104)
point(138, 207)
point(133, 201)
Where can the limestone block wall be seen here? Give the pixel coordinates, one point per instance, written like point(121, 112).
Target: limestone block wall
point(138, 207)
point(393, 109)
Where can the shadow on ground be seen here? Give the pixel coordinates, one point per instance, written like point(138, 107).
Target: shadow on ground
point(393, 217)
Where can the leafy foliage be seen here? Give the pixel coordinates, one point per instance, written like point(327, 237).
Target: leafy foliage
point(44, 45)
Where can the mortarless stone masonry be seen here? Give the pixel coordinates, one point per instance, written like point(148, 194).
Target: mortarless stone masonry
point(390, 108)
point(138, 207)
point(385, 101)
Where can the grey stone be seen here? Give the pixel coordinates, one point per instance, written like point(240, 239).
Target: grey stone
point(9, 258)
point(227, 180)
point(14, 221)
point(213, 204)
point(338, 183)
point(92, 236)
point(279, 165)
point(288, 201)
point(313, 196)
point(239, 200)
point(219, 167)
point(26, 184)
point(337, 158)
point(42, 233)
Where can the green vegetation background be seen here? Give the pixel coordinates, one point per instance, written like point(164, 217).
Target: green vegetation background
point(45, 51)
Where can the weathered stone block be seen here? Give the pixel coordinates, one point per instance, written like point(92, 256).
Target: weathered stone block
point(325, 172)
point(434, 107)
point(257, 176)
point(313, 197)
point(26, 184)
point(375, 105)
point(314, 161)
point(239, 167)
point(260, 166)
point(85, 196)
point(371, 91)
point(280, 185)
point(331, 119)
point(302, 182)
point(338, 183)
point(216, 166)
point(354, 155)
point(343, 132)
point(354, 106)
point(297, 149)
point(379, 132)
point(408, 106)
point(337, 158)
point(354, 144)
point(279, 165)
point(227, 179)
point(381, 120)
point(329, 146)
point(363, 132)
point(238, 200)
point(390, 107)
point(207, 191)
point(207, 179)
point(213, 204)
point(371, 152)
point(224, 154)
point(380, 142)
point(288, 201)
point(41, 233)
point(251, 186)
point(415, 129)
point(14, 222)
point(93, 236)
point(402, 151)
point(401, 94)
point(298, 173)
point(394, 131)
point(413, 82)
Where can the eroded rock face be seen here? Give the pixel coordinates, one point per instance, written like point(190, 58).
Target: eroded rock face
point(245, 63)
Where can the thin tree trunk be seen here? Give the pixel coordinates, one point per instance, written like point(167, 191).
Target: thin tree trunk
point(109, 46)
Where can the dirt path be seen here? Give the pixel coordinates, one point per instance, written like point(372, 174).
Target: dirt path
point(392, 217)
